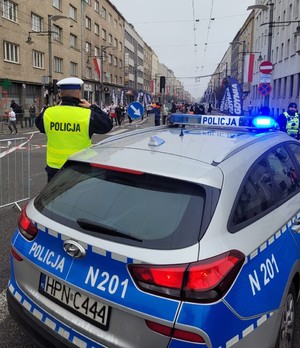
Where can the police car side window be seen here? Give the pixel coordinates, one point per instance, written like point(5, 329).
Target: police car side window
point(256, 195)
point(295, 147)
point(283, 170)
point(272, 180)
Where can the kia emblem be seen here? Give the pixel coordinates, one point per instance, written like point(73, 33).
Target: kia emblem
point(74, 249)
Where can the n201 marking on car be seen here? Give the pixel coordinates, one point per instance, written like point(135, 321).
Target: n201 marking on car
point(106, 282)
point(267, 270)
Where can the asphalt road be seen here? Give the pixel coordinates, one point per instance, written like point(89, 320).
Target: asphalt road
point(10, 334)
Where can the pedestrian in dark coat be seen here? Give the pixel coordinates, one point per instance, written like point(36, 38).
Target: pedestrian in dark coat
point(156, 112)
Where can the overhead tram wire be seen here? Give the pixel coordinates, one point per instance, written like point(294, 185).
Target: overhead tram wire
point(207, 35)
point(195, 41)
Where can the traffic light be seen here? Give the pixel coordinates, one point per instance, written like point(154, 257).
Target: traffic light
point(50, 88)
point(55, 89)
point(162, 83)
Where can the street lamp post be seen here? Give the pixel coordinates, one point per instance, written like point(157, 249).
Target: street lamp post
point(270, 7)
point(49, 32)
point(51, 18)
point(102, 56)
point(243, 43)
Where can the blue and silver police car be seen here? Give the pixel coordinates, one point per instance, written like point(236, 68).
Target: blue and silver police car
point(184, 235)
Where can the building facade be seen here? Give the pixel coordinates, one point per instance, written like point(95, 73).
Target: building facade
point(271, 33)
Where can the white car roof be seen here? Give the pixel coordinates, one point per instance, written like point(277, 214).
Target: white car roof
point(190, 153)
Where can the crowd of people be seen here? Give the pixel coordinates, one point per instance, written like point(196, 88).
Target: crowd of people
point(288, 121)
point(16, 114)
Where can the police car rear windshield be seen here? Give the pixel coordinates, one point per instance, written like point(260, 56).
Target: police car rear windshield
point(145, 210)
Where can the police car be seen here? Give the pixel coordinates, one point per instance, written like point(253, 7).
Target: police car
point(184, 235)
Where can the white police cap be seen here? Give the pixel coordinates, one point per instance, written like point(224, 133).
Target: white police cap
point(70, 83)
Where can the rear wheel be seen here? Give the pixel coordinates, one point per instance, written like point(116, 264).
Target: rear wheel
point(286, 330)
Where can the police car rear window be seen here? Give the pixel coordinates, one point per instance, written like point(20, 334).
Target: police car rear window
point(128, 207)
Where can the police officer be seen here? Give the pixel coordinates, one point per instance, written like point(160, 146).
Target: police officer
point(70, 125)
point(289, 121)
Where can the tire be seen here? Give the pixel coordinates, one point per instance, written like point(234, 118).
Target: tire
point(286, 330)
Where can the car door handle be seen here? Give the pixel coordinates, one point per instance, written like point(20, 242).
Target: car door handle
point(296, 225)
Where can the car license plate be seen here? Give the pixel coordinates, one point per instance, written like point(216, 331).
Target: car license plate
point(76, 302)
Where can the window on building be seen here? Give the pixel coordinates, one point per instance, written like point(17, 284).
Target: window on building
point(57, 4)
point(103, 13)
point(281, 52)
point(97, 29)
point(284, 87)
point(58, 65)
point(73, 41)
point(110, 19)
point(104, 34)
point(279, 88)
point(110, 38)
point(96, 51)
point(115, 61)
point(36, 22)
point(57, 35)
point(10, 10)
point(87, 2)
point(290, 12)
point(274, 88)
point(88, 72)
point(96, 6)
point(73, 69)
point(116, 43)
point(11, 52)
point(115, 23)
point(88, 47)
point(120, 47)
point(109, 58)
point(73, 12)
point(88, 23)
point(296, 9)
point(287, 48)
point(38, 59)
point(291, 86)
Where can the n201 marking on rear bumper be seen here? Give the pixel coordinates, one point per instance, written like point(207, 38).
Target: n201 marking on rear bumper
point(268, 269)
point(106, 282)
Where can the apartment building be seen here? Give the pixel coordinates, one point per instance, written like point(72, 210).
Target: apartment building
point(43, 44)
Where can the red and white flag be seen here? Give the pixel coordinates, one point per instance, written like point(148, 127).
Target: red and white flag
point(248, 67)
point(97, 66)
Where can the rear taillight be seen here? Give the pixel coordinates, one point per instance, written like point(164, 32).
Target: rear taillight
point(26, 226)
point(16, 255)
point(203, 281)
point(175, 333)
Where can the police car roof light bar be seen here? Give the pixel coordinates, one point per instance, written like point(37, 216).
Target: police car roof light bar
point(221, 121)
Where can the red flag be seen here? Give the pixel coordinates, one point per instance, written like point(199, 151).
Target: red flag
point(152, 86)
point(97, 65)
point(248, 67)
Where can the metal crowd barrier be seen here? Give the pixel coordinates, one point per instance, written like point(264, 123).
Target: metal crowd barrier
point(14, 171)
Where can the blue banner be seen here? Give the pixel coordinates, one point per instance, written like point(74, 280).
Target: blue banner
point(232, 102)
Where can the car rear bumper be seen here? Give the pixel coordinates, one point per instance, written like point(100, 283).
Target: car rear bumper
point(45, 337)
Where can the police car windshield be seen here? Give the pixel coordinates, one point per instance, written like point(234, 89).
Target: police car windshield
point(152, 211)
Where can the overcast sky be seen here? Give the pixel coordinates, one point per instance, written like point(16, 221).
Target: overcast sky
point(189, 36)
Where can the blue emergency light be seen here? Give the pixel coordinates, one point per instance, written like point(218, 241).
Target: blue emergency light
point(221, 121)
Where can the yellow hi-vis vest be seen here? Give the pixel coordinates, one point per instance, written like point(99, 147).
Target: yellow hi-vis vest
point(67, 130)
point(292, 124)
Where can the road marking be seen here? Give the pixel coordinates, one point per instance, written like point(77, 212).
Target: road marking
point(117, 131)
